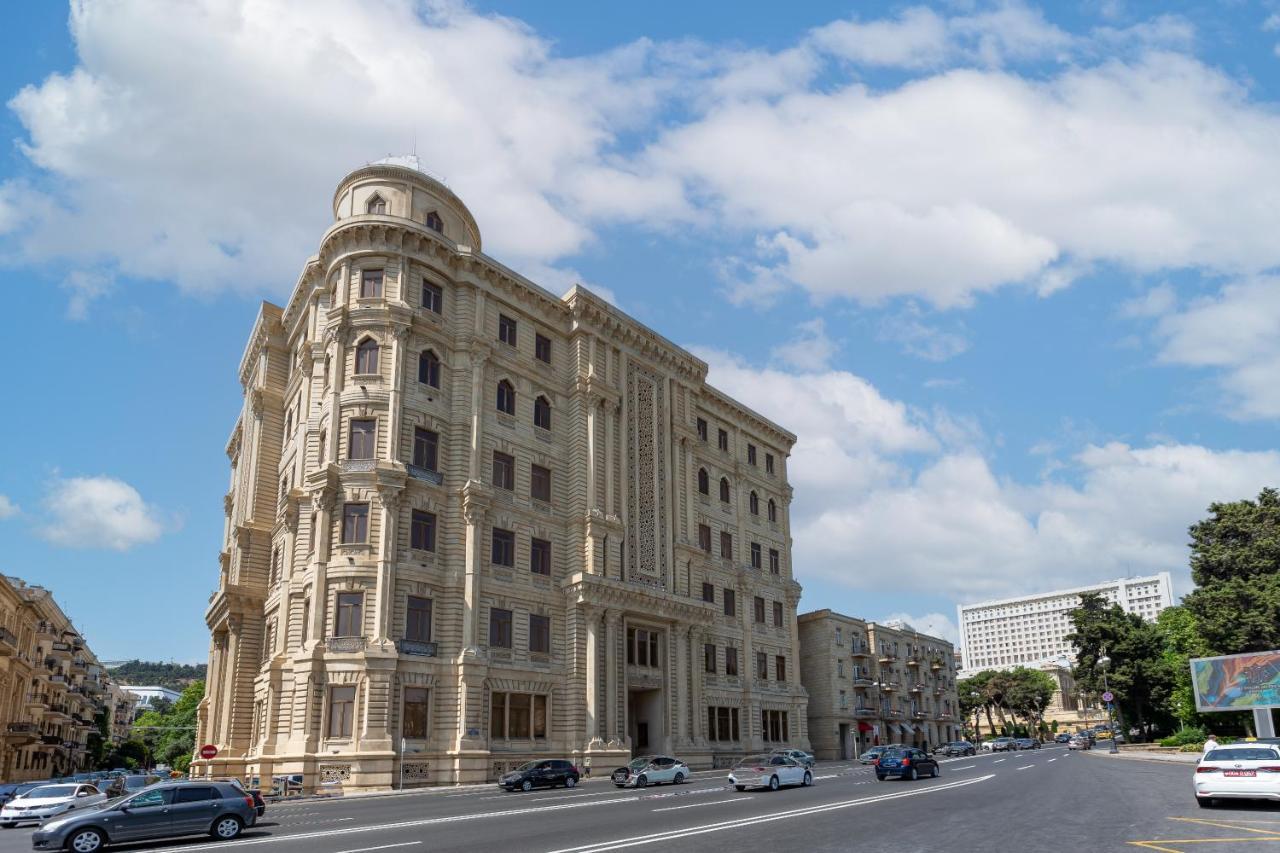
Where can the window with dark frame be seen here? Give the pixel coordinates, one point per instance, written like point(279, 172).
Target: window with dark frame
point(355, 523)
point(704, 537)
point(363, 443)
point(517, 716)
point(376, 205)
point(773, 726)
point(708, 657)
point(367, 357)
point(417, 623)
point(758, 603)
point(780, 668)
point(506, 330)
point(506, 398)
point(709, 592)
point(371, 284)
point(722, 439)
point(724, 489)
point(342, 707)
point(704, 481)
point(429, 368)
point(753, 503)
point(756, 555)
point(768, 463)
point(540, 557)
point(730, 602)
point(348, 614)
point(540, 483)
point(777, 614)
point(730, 660)
point(726, 544)
point(504, 471)
point(499, 628)
point(722, 723)
point(751, 454)
point(702, 429)
point(432, 297)
point(422, 531)
point(539, 634)
point(504, 547)
point(415, 713)
point(542, 412)
point(542, 348)
point(773, 510)
point(762, 666)
point(435, 223)
point(642, 648)
point(426, 449)
point(775, 566)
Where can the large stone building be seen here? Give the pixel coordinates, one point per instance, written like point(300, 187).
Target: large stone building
point(875, 683)
point(471, 523)
point(52, 688)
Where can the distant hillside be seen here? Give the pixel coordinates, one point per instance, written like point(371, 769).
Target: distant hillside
point(175, 676)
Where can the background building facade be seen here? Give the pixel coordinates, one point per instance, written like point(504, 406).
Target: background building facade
point(872, 684)
point(1033, 629)
point(471, 523)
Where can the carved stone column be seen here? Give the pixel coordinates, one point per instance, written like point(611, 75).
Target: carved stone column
point(479, 356)
point(389, 503)
point(612, 670)
point(591, 620)
point(399, 344)
point(475, 506)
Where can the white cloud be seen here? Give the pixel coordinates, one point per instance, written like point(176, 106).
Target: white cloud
point(1156, 302)
point(8, 509)
point(933, 624)
point(85, 286)
point(915, 337)
point(810, 349)
point(99, 512)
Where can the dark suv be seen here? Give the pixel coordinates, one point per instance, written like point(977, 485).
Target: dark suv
point(958, 747)
point(547, 773)
point(174, 808)
point(908, 763)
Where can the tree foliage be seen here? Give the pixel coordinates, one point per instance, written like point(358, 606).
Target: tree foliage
point(168, 736)
point(175, 676)
point(1006, 695)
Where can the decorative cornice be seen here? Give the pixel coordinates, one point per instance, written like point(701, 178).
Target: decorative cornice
point(595, 590)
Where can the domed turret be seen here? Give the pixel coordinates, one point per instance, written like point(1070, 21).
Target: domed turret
point(397, 187)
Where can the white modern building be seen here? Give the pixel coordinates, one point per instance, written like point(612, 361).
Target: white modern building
point(149, 694)
point(1032, 629)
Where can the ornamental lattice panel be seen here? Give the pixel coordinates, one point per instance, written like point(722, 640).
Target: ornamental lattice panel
point(646, 478)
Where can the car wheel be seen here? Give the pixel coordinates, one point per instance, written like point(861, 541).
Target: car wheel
point(936, 771)
point(911, 774)
point(642, 781)
point(227, 828)
point(1204, 802)
point(740, 788)
point(86, 841)
point(679, 780)
point(774, 783)
point(570, 781)
point(7, 825)
point(808, 779)
point(880, 777)
point(526, 786)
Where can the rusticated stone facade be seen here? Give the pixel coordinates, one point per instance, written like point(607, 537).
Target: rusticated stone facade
point(471, 523)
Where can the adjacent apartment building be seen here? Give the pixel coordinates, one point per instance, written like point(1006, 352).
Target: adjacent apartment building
point(1033, 629)
point(875, 683)
point(52, 688)
point(471, 523)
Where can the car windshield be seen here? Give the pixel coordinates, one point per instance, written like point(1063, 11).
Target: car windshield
point(640, 763)
point(528, 765)
point(1242, 754)
point(136, 781)
point(754, 761)
point(50, 791)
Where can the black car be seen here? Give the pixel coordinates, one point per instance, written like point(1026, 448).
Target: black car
point(1062, 738)
point(1026, 743)
point(546, 773)
point(958, 747)
point(908, 763)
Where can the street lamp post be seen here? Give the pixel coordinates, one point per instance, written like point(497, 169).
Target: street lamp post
point(1103, 663)
point(977, 717)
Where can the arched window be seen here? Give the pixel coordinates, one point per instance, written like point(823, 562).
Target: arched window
point(724, 489)
point(773, 510)
point(367, 356)
point(704, 482)
point(542, 412)
point(435, 223)
point(754, 502)
point(506, 397)
point(429, 369)
point(376, 204)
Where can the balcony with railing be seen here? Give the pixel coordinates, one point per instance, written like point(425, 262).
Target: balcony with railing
point(935, 665)
point(887, 656)
point(913, 660)
point(859, 650)
point(888, 686)
point(417, 647)
point(60, 650)
point(357, 466)
point(864, 712)
point(345, 644)
point(417, 472)
point(8, 642)
point(917, 687)
point(892, 712)
point(863, 681)
point(919, 715)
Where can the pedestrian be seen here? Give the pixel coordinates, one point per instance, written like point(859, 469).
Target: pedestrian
point(586, 768)
point(1210, 743)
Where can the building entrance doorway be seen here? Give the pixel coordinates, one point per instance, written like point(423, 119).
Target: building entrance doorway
point(645, 721)
point(845, 748)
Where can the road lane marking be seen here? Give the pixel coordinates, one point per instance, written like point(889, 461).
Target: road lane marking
point(966, 767)
point(1051, 760)
point(381, 847)
point(998, 760)
point(1224, 825)
point(1024, 767)
point(601, 846)
point(696, 805)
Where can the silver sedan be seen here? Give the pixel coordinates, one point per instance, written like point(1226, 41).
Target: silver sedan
point(769, 771)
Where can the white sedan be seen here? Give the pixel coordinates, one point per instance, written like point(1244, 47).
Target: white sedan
point(769, 771)
point(1244, 771)
point(40, 804)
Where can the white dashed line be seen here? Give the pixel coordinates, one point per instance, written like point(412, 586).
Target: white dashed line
point(695, 805)
point(998, 760)
point(1051, 760)
point(966, 767)
point(1025, 767)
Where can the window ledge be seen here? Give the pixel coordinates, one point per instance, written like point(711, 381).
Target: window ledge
point(366, 377)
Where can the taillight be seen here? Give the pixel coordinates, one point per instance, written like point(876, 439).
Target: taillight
point(1270, 769)
point(875, 762)
point(248, 801)
point(1207, 769)
point(906, 762)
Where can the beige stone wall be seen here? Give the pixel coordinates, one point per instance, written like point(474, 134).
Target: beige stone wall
point(624, 453)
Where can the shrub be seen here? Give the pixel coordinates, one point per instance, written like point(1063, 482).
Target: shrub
point(1192, 735)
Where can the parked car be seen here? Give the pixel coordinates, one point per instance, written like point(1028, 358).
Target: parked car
point(546, 773)
point(805, 758)
point(1026, 743)
point(173, 808)
point(137, 781)
point(958, 747)
point(49, 801)
point(1002, 744)
point(909, 763)
point(870, 756)
point(651, 770)
point(1243, 771)
point(769, 771)
point(1062, 738)
point(1080, 742)
point(16, 789)
point(259, 804)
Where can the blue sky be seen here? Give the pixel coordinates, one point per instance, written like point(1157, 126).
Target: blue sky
point(1006, 269)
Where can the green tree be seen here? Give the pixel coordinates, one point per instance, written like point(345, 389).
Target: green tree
point(168, 735)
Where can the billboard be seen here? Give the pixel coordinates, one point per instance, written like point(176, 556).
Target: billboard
point(1237, 682)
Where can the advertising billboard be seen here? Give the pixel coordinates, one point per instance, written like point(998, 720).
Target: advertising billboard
point(1237, 682)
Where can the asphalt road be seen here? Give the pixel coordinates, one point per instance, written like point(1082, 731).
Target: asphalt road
point(1024, 802)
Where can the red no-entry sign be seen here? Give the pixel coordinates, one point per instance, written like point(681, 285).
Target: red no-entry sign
point(208, 751)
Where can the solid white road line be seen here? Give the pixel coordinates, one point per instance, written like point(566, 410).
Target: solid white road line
point(998, 760)
point(637, 841)
point(966, 767)
point(381, 847)
point(1025, 767)
point(1051, 760)
point(696, 805)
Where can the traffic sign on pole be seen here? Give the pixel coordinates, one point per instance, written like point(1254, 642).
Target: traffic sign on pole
point(208, 751)
point(1107, 697)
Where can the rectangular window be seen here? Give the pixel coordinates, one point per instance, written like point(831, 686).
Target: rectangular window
point(517, 715)
point(499, 628)
point(774, 564)
point(642, 647)
point(751, 454)
point(504, 547)
point(540, 557)
point(722, 439)
point(426, 449)
point(504, 471)
point(540, 483)
point(371, 284)
point(773, 726)
point(759, 608)
point(432, 297)
point(709, 657)
point(709, 593)
point(355, 523)
point(768, 463)
point(702, 429)
point(704, 537)
point(726, 544)
point(755, 555)
point(348, 621)
point(417, 623)
point(730, 660)
point(364, 439)
point(415, 713)
point(777, 614)
point(722, 723)
point(422, 531)
point(780, 668)
point(342, 710)
point(540, 634)
point(542, 348)
point(730, 604)
point(844, 699)
point(762, 666)
point(506, 330)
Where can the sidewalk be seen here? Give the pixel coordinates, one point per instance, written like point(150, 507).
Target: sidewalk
point(1146, 755)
